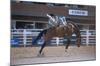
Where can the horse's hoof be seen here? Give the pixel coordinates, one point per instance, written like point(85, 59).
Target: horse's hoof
point(65, 50)
point(78, 45)
point(40, 55)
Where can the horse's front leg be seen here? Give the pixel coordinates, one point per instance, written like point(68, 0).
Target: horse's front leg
point(78, 36)
point(78, 42)
point(68, 43)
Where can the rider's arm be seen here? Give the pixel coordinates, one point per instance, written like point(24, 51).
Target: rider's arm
point(50, 17)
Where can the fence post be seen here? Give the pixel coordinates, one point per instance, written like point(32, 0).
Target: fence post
point(24, 37)
point(57, 41)
point(87, 37)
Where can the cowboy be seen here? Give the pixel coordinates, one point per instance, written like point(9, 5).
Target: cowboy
point(56, 20)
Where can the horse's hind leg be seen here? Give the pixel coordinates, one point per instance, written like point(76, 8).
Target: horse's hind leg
point(68, 42)
point(42, 47)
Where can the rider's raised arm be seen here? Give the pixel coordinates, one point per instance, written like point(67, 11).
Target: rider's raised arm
point(50, 17)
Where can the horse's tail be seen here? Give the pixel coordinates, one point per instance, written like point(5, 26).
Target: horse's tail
point(39, 36)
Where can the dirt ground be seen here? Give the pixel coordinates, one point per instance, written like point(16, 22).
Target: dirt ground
point(29, 55)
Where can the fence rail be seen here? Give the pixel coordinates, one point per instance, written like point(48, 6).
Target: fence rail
point(25, 36)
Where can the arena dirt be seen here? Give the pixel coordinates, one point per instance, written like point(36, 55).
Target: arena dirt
point(29, 55)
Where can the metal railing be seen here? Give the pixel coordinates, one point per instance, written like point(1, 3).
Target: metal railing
point(25, 36)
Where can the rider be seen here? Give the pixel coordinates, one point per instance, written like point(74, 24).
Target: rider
point(55, 20)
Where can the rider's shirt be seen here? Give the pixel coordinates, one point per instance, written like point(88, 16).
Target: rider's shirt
point(53, 22)
point(61, 21)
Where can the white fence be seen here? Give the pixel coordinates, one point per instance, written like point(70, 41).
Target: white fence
point(25, 36)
